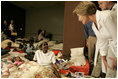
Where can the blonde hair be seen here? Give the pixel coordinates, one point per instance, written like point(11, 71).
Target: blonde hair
point(85, 8)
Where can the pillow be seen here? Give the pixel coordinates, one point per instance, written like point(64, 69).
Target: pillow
point(77, 56)
point(77, 51)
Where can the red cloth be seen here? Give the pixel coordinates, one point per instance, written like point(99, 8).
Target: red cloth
point(19, 51)
point(56, 51)
point(64, 71)
point(84, 69)
point(7, 48)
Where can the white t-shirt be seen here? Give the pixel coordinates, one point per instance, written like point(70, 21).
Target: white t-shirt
point(45, 59)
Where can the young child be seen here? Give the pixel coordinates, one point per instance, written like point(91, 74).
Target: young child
point(30, 47)
point(23, 45)
point(18, 61)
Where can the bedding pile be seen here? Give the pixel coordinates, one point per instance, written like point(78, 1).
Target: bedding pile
point(29, 69)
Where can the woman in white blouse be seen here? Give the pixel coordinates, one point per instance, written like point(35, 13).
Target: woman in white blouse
point(46, 58)
point(106, 31)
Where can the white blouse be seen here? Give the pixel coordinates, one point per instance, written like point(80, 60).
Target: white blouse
point(45, 59)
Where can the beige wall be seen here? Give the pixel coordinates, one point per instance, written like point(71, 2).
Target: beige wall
point(50, 19)
point(55, 20)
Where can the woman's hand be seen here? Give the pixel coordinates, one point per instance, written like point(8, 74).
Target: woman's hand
point(105, 62)
point(114, 62)
point(55, 66)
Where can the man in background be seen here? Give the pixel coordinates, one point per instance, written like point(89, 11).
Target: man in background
point(90, 43)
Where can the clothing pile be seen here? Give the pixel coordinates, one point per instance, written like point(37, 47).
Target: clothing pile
point(36, 70)
point(29, 69)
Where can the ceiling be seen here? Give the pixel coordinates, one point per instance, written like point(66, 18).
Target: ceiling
point(37, 4)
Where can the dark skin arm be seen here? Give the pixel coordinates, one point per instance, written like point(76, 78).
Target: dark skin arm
point(57, 70)
point(55, 66)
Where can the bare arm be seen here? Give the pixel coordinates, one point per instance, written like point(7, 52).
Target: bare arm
point(55, 66)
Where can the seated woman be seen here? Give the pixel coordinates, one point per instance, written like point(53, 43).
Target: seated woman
point(46, 58)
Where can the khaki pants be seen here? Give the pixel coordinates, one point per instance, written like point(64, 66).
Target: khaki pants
point(91, 50)
point(110, 73)
point(97, 69)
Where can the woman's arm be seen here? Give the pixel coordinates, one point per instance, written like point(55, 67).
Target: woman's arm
point(55, 66)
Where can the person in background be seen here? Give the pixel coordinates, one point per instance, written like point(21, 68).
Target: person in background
point(39, 31)
point(112, 6)
point(30, 47)
point(9, 46)
point(41, 35)
point(5, 27)
point(11, 30)
point(105, 29)
point(90, 43)
point(46, 58)
point(109, 5)
point(23, 46)
point(11, 26)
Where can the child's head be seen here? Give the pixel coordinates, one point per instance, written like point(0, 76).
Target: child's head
point(16, 59)
point(9, 44)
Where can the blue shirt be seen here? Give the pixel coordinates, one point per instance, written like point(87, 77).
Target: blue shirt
point(29, 48)
point(88, 30)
